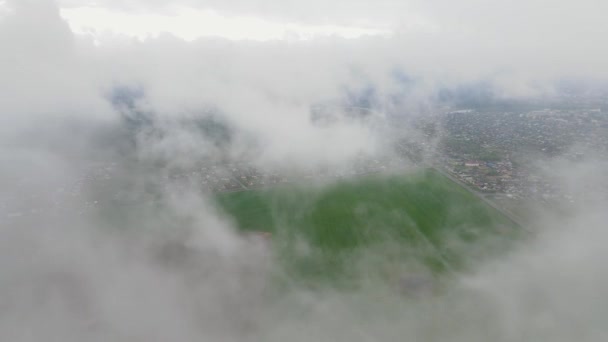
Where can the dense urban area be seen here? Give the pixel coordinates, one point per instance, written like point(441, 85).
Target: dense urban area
point(499, 154)
point(508, 155)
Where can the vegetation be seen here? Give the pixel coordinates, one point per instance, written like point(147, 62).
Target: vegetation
point(422, 217)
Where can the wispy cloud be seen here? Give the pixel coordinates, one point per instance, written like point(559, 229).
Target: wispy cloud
point(173, 267)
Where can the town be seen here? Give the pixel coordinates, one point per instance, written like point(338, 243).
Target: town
point(497, 154)
point(503, 152)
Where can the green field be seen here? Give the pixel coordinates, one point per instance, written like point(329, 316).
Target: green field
point(421, 218)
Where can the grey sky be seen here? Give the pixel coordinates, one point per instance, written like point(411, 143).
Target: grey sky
point(521, 48)
point(517, 35)
point(266, 88)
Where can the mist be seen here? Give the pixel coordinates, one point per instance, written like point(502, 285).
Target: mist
point(101, 241)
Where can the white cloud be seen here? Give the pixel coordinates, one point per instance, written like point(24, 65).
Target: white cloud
point(191, 24)
point(72, 276)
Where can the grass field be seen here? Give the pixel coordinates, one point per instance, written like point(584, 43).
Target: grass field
point(421, 218)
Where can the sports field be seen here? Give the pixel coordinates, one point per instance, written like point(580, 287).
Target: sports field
point(418, 218)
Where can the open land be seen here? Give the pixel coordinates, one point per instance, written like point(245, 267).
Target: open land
point(417, 217)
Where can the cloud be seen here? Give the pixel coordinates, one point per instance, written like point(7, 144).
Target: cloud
point(340, 12)
point(172, 267)
point(190, 24)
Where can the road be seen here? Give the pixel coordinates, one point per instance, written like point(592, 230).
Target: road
point(481, 196)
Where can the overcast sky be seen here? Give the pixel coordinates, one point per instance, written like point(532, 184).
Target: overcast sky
point(265, 63)
point(539, 38)
point(507, 21)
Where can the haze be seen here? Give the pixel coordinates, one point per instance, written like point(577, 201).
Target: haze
point(103, 103)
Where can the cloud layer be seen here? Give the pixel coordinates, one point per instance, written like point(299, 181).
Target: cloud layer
point(176, 269)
